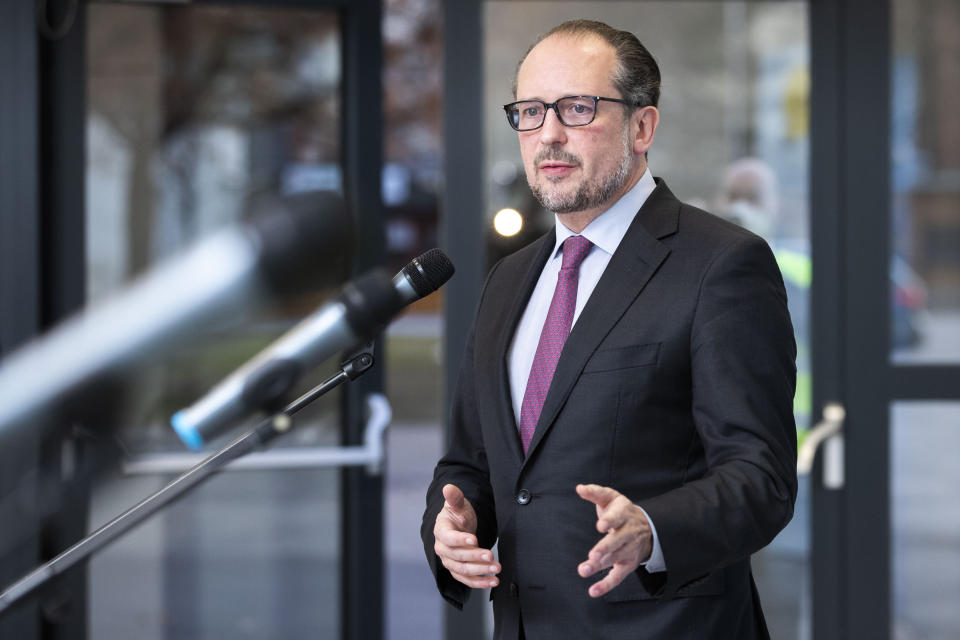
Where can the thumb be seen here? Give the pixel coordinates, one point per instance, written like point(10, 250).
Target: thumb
point(454, 497)
point(600, 496)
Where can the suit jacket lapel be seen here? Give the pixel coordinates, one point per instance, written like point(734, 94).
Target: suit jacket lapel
point(632, 265)
point(514, 304)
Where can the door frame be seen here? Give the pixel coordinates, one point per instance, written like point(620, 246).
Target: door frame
point(850, 213)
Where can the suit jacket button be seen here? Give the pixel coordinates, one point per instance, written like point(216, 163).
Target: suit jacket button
point(523, 496)
point(514, 589)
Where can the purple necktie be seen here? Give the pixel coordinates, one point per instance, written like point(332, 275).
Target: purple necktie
point(556, 328)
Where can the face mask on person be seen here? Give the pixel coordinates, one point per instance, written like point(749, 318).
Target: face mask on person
point(749, 216)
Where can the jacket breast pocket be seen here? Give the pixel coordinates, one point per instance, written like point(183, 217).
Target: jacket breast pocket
point(618, 358)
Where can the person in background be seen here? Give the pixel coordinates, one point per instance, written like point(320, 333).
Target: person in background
point(750, 197)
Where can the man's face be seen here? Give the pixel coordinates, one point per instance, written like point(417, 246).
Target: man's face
point(576, 169)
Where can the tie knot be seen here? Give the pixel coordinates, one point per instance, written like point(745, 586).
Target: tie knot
point(575, 249)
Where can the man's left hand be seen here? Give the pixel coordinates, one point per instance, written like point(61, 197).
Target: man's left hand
point(628, 542)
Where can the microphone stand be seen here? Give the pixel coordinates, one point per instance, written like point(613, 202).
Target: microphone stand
point(256, 438)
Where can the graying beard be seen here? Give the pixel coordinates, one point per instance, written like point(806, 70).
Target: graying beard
point(588, 196)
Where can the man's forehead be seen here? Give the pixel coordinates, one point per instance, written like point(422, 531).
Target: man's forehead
point(567, 62)
point(587, 45)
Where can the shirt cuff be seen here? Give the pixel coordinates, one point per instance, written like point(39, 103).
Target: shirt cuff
point(655, 563)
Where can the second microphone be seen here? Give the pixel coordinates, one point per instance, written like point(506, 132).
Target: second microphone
point(359, 313)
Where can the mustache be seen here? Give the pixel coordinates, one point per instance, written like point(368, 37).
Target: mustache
point(557, 155)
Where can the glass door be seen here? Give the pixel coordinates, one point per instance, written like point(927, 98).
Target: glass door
point(196, 117)
point(885, 545)
point(924, 318)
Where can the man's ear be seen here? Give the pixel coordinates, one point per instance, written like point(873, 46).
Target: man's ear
point(645, 121)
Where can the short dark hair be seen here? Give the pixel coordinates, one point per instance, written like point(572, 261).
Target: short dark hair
point(636, 77)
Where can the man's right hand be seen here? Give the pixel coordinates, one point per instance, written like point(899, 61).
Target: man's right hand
point(455, 542)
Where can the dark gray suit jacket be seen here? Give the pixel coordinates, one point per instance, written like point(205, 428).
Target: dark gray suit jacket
point(675, 388)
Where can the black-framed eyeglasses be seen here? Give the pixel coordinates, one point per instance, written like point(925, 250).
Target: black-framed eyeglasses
point(572, 111)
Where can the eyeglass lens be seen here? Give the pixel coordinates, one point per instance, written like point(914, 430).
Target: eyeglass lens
point(574, 111)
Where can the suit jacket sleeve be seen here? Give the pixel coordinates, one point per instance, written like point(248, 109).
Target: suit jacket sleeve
point(743, 371)
point(464, 465)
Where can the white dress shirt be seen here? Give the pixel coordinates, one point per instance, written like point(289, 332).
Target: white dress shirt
point(605, 232)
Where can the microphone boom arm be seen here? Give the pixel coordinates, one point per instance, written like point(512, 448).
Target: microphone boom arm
point(357, 364)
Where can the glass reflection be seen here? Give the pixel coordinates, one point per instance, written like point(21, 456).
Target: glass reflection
point(411, 182)
point(925, 519)
point(196, 117)
point(925, 165)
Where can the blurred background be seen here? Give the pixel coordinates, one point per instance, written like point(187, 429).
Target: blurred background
point(129, 130)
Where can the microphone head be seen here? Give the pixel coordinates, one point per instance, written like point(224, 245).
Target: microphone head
point(429, 271)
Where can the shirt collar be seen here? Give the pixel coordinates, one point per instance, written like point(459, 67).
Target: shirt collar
point(607, 230)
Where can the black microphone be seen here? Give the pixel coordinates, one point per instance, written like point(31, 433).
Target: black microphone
point(299, 241)
point(423, 275)
point(358, 314)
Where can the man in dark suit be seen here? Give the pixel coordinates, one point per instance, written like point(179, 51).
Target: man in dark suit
point(622, 425)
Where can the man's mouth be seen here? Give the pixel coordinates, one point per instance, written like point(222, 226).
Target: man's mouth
point(554, 168)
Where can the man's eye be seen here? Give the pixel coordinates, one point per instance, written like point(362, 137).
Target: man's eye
point(578, 109)
point(531, 112)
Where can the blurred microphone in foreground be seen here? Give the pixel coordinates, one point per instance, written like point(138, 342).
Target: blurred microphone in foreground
point(359, 313)
point(222, 276)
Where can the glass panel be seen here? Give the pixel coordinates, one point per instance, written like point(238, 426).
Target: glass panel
point(196, 116)
point(733, 139)
point(925, 157)
point(249, 554)
point(413, 102)
point(415, 440)
point(925, 516)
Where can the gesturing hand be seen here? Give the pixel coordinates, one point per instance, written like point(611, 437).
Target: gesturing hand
point(628, 542)
point(455, 542)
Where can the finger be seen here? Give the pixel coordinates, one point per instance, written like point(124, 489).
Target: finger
point(470, 568)
point(586, 569)
point(446, 532)
point(615, 515)
point(600, 496)
point(462, 554)
point(605, 552)
point(615, 577)
point(476, 582)
point(595, 563)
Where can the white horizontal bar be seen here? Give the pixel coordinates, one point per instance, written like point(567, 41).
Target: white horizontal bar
point(260, 460)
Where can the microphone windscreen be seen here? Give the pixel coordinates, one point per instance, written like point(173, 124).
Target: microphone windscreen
point(304, 240)
point(429, 271)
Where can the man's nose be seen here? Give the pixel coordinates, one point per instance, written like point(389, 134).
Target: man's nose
point(553, 131)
